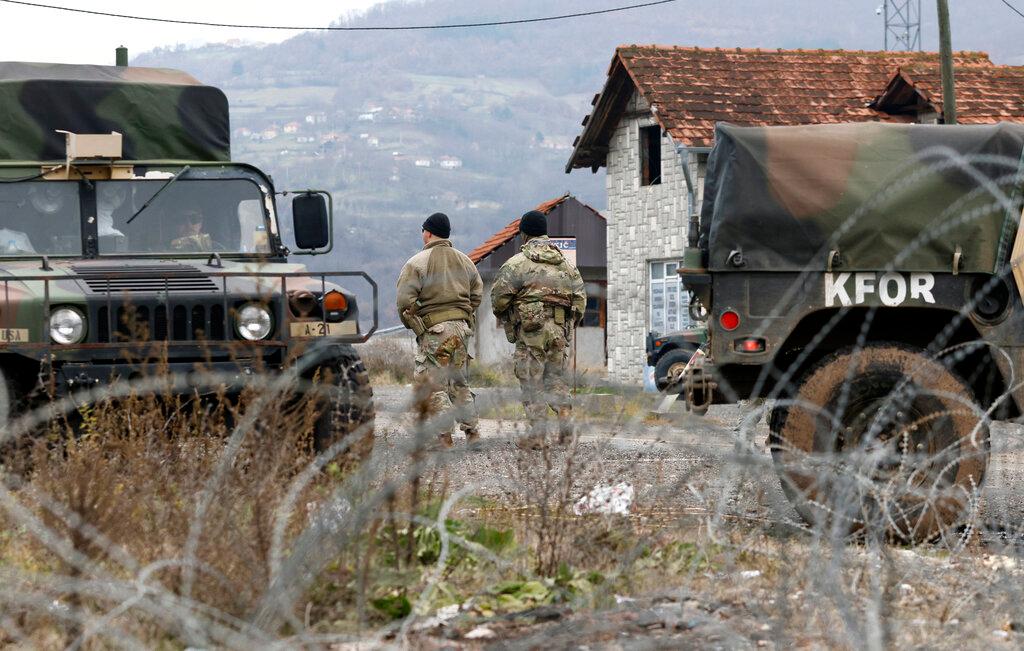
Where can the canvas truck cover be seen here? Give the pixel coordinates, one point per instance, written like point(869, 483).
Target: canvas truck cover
point(163, 114)
point(904, 196)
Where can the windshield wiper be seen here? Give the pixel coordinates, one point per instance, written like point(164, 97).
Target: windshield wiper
point(156, 194)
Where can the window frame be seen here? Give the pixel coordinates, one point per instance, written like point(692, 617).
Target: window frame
point(668, 282)
point(650, 140)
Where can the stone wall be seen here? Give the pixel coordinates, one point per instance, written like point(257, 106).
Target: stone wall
point(645, 223)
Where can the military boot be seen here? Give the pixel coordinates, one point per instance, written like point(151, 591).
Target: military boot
point(444, 440)
point(473, 437)
point(535, 439)
point(531, 442)
point(565, 426)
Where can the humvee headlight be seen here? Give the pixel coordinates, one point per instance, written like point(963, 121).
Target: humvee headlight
point(67, 326)
point(254, 322)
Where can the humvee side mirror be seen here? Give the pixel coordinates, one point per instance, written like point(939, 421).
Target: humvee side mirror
point(311, 222)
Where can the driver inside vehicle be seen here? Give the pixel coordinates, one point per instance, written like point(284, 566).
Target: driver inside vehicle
point(191, 236)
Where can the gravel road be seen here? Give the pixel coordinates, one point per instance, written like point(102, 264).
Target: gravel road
point(679, 451)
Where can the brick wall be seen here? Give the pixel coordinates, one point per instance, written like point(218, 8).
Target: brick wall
point(645, 223)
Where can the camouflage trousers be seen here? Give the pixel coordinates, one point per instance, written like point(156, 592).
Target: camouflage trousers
point(541, 365)
point(441, 366)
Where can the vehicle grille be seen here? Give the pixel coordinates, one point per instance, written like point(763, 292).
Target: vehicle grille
point(165, 277)
point(139, 323)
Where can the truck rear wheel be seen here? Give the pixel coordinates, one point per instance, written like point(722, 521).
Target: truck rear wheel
point(881, 436)
point(345, 407)
point(670, 367)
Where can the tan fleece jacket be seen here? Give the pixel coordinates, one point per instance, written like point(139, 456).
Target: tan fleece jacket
point(438, 278)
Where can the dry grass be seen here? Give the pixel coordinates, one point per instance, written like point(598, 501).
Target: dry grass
point(110, 534)
point(389, 360)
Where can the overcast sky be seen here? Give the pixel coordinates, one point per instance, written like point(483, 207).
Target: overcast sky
point(32, 34)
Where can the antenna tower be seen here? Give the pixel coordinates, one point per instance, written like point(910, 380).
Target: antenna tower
point(902, 25)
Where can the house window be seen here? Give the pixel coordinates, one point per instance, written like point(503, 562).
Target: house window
point(594, 315)
point(650, 155)
point(669, 301)
point(596, 312)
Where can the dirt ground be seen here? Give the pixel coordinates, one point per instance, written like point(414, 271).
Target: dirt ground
point(937, 597)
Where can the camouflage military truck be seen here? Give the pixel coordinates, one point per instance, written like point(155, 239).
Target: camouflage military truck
point(670, 353)
point(866, 277)
point(128, 236)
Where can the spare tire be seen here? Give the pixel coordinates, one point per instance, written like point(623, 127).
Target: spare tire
point(881, 436)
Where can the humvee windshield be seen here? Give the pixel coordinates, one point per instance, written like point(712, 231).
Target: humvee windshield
point(191, 216)
point(39, 218)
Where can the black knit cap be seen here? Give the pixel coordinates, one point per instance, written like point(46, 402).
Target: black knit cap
point(533, 223)
point(439, 225)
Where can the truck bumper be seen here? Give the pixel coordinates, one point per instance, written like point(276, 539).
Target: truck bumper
point(189, 377)
point(193, 377)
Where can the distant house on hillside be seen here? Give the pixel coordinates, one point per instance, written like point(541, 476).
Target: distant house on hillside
point(291, 127)
point(580, 232)
point(268, 134)
point(653, 125)
point(450, 163)
point(483, 204)
point(422, 162)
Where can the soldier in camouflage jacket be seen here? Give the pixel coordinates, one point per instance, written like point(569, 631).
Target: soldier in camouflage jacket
point(439, 290)
point(539, 297)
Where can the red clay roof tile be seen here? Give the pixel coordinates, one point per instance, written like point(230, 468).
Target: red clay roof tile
point(984, 94)
point(694, 88)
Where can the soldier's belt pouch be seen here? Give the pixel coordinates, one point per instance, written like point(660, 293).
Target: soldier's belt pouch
point(510, 332)
point(532, 316)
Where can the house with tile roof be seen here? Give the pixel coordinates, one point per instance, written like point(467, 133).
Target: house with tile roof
point(653, 124)
point(580, 231)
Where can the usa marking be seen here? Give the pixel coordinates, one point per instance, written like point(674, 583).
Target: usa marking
point(891, 288)
point(13, 335)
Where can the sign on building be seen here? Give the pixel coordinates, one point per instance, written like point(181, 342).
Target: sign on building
point(567, 245)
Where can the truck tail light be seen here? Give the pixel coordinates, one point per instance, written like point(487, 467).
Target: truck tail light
point(749, 345)
point(729, 320)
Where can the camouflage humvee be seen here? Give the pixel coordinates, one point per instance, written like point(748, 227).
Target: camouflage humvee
point(867, 278)
point(128, 237)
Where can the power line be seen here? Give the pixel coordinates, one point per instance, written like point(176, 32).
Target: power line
point(200, 23)
point(1015, 10)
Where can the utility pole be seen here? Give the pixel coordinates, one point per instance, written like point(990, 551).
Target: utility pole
point(902, 24)
point(946, 56)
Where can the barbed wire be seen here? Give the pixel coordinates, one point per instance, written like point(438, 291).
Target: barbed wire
point(223, 528)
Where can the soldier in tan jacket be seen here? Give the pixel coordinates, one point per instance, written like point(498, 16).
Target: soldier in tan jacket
point(439, 290)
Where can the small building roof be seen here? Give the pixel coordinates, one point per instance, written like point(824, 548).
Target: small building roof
point(509, 233)
point(691, 89)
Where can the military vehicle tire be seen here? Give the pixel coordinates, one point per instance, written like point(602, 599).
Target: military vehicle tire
point(670, 366)
point(346, 407)
point(908, 452)
point(7, 399)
